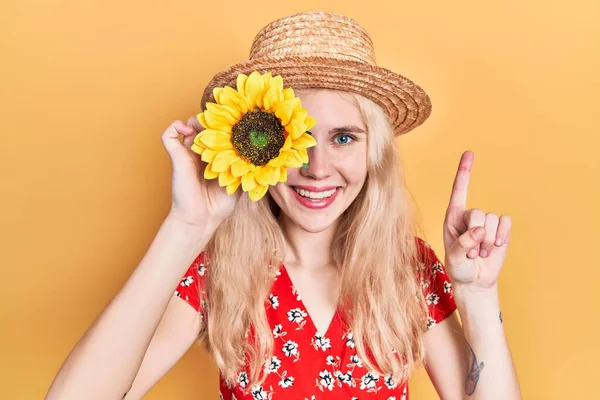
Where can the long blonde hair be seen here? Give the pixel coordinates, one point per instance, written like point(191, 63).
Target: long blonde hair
point(380, 294)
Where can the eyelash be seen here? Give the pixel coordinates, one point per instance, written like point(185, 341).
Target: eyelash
point(352, 137)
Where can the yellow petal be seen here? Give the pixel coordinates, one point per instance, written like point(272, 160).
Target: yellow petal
point(240, 167)
point(209, 174)
point(293, 159)
point(202, 120)
point(285, 109)
point(278, 161)
point(303, 156)
point(248, 182)
point(216, 140)
point(310, 123)
point(283, 175)
point(197, 149)
point(300, 114)
point(267, 77)
point(288, 93)
point(274, 176)
point(225, 178)
point(241, 84)
point(254, 90)
point(223, 160)
point(217, 94)
point(208, 155)
point(258, 192)
point(272, 98)
point(304, 141)
point(296, 129)
point(223, 112)
point(234, 99)
point(288, 143)
point(262, 174)
point(232, 187)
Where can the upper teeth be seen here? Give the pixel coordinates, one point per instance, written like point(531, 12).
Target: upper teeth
point(315, 195)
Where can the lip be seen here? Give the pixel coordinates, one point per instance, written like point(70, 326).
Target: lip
point(316, 205)
point(315, 188)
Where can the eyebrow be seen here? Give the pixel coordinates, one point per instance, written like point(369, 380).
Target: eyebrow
point(346, 129)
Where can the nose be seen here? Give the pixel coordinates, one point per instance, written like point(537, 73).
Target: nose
point(319, 163)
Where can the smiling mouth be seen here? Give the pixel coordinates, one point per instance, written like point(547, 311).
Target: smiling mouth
point(321, 195)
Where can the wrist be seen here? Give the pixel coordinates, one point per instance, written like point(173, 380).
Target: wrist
point(474, 297)
point(187, 231)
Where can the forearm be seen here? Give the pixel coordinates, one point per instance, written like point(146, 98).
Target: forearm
point(106, 359)
point(491, 373)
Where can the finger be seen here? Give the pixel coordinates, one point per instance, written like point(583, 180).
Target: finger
point(465, 242)
point(503, 230)
point(170, 136)
point(473, 218)
point(458, 197)
point(491, 227)
point(194, 123)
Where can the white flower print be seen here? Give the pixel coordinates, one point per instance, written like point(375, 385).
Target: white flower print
point(258, 393)
point(321, 342)
point(296, 315)
point(286, 381)
point(344, 378)
point(243, 379)
point(311, 398)
point(201, 270)
point(389, 382)
point(278, 331)
point(432, 298)
point(369, 380)
point(355, 361)
point(447, 287)
point(437, 267)
point(350, 340)
point(290, 348)
point(391, 398)
point(221, 396)
point(404, 393)
point(272, 365)
point(330, 360)
point(187, 281)
point(274, 301)
point(326, 380)
point(176, 293)
point(430, 322)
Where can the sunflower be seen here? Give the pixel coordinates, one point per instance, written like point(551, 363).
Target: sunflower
point(253, 134)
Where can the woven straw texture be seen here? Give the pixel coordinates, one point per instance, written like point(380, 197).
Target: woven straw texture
point(330, 51)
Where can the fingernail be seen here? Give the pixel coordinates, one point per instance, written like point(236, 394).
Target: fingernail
point(483, 253)
point(498, 242)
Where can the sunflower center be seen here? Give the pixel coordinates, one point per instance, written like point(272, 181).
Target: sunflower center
point(258, 136)
point(259, 139)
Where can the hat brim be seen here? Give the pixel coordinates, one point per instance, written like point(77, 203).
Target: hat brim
point(406, 104)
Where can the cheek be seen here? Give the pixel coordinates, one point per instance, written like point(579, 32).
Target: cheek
point(353, 167)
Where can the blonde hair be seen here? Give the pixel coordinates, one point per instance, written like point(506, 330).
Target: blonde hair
point(380, 293)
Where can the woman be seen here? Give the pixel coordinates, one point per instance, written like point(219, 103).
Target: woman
point(321, 289)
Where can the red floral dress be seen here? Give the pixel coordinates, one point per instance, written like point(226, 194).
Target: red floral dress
point(311, 365)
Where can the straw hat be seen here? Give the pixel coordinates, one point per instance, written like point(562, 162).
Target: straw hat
point(327, 50)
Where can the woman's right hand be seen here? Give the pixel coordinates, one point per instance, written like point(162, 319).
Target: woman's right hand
point(195, 200)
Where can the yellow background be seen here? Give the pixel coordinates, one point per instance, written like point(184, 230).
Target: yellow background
point(88, 87)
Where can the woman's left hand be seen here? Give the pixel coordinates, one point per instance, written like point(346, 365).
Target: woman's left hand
point(475, 241)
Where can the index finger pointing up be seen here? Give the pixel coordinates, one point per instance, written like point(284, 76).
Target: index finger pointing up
point(458, 198)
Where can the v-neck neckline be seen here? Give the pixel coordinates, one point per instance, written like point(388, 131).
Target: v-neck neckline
point(309, 318)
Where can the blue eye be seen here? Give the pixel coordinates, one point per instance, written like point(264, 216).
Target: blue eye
point(343, 139)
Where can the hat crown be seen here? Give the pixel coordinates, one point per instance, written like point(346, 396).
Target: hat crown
point(314, 34)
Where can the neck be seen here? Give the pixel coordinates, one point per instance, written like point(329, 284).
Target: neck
point(307, 249)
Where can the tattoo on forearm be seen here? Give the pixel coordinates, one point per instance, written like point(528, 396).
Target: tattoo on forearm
point(501, 317)
point(473, 374)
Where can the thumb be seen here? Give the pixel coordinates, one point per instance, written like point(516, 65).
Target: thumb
point(170, 137)
point(465, 242)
